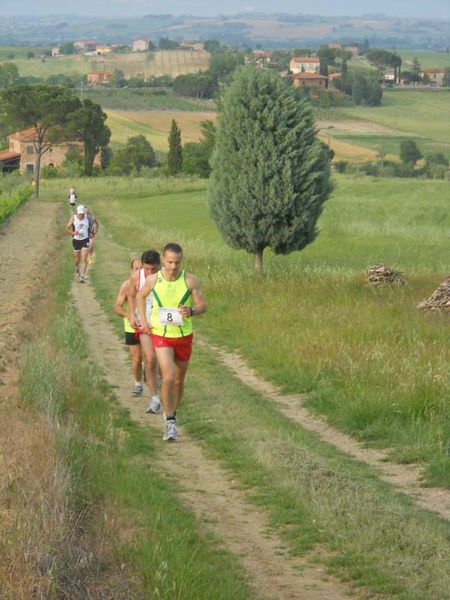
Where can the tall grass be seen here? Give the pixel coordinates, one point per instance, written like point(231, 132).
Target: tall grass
point(373, 364)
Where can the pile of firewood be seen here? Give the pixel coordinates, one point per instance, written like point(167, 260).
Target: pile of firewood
point(439, 299)
point(381, 275)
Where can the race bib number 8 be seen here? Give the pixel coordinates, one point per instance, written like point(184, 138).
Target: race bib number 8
point(170, 316)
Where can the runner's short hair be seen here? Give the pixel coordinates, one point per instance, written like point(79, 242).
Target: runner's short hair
point(151, 257)
point(172, 247)
point(133, 260)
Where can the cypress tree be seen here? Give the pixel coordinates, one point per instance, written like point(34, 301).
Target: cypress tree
point(270, 173)
point(175, 156)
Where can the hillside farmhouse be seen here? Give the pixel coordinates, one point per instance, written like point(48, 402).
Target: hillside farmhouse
point(98, 77)
point(140, 45)
point(21, 154)
point(435, 76)
point(191, 45)
point(85, 45)
point(303, 80)
point(304, 64)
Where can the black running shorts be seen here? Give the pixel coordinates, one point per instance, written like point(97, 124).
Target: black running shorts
point(78, 244)
point(131, 339)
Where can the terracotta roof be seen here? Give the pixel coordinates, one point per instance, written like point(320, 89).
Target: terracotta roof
point(434, 70)
point(311, 59)
point(308, 76)
point(334, 75)
point(8, 154)
point(26, 135)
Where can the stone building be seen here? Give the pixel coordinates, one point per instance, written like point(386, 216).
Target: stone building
point(21, 149)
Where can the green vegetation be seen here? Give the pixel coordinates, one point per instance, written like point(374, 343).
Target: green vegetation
point(137, 153)
point(270, 174)
point(175, 154)
point(140, 99)
point(390, 144)
point(12, 197)
point(427, 58)
point(419, 112)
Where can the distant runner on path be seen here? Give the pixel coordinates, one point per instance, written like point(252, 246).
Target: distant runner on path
point(78, 227)
point(177, 298)
point(131, 339)
point(72, 198)
point(151, 264)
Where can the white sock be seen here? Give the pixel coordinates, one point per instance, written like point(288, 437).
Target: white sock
point(156, 397)
point(136, 383)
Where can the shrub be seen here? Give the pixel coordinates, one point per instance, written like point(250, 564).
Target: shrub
point(8, 206)
point(49, 172)
point(341, 166)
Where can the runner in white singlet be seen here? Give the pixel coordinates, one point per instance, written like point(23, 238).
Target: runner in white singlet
point(78, 227)
point(151, 263)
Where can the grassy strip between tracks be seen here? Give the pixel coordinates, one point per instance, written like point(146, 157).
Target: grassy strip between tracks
point(126, 533)
point(326, 506)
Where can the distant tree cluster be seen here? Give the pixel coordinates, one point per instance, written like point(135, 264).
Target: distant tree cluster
point(364, 89)
point(56, 115)
point(383, 59)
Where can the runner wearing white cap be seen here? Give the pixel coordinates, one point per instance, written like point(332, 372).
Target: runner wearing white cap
point(78, 227)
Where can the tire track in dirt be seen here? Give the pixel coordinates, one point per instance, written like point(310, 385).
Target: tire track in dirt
point(205, 487)
point(404, 478)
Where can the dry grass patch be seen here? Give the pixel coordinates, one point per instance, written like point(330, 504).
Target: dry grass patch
point(347, 151)
point(155, 125)
point(31, 503)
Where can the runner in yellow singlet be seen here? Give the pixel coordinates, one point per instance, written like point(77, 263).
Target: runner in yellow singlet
point(130, 335)
point(177, 298)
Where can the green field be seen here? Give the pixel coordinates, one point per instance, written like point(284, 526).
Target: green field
point(426, 58)
point(423, 113)
point(143, 99)
point(390, 144)
point(20, 52)
point(162, 62)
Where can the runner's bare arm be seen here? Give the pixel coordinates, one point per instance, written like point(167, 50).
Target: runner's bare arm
point(69, 228)
point(132, 291)
point(199, 305)
point(121, 299)
point(140, 300)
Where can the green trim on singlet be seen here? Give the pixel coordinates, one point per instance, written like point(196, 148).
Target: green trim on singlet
point(170, 294)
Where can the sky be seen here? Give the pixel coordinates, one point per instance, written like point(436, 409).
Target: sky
point(434, 9)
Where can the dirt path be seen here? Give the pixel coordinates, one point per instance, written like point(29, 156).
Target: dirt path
point(206, 488)
point(405, 478)
point(27, 461)
point(24, 250)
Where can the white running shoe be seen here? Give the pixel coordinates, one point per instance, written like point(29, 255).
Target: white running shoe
point(138, 391)
point(155, 406)
point(82, 279)
point(170, 431)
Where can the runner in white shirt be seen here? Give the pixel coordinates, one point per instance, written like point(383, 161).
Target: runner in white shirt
point(78, 227)
point(72, 197)
point(151, 263)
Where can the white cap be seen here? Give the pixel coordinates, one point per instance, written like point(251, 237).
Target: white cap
point(81, 210)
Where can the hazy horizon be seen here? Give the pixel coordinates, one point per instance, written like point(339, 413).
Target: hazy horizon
point(434, 9)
